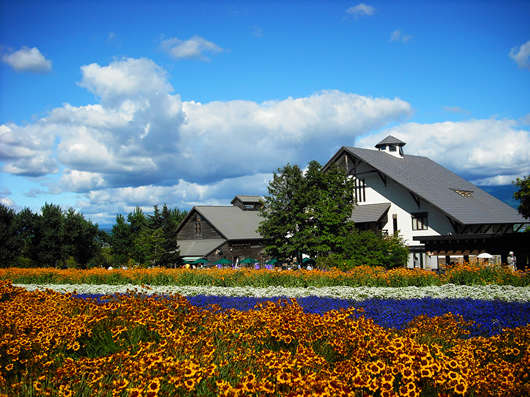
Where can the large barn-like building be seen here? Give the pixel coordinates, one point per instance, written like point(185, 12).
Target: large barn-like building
point(441, 216)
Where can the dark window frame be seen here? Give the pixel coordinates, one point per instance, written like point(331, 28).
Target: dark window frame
point(420, 221)
point(359, 190)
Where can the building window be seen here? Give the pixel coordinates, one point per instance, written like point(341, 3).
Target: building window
point(392, 148)
point(395, 224)
point(359, 190)
point(419, 221)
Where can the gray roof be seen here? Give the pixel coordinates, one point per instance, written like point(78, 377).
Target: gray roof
point(369, 212)
point(198, 247)
point(390, 140)
point(436, 185)
point(248, 199)
point(232, 222)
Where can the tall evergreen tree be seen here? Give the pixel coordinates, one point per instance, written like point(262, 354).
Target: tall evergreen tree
point(170, 251)
point(51, 246)
point(283, 213)
point(11, 243)
point(81, 237)
point(121, 240)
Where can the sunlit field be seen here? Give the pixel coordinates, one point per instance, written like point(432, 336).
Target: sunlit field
point(441, 337)
point(359, 276)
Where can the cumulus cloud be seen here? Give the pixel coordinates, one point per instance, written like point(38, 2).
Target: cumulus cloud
point(141, 136)
point(521, 55)
point(28, 60)
point(361, 9)
point(195, 47)
point(398, 36)
point(487, 151)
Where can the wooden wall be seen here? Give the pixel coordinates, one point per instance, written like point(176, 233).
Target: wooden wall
point(188, 230)
point(242, 249)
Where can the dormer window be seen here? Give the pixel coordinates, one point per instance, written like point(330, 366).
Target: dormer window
point(463, 193)
point(392, 148)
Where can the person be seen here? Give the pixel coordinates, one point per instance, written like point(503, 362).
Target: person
point(512, 261)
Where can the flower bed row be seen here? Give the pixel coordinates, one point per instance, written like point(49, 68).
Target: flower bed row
point(56, 344)
point(360, 276)
point(447, 291)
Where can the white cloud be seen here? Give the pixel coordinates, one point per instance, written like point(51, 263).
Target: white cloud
point(497, 180)
point(490, 150)
point(141, 135)
point(195, 47)
point(521, 56)
point(400, 37)
point(28, 60)
point(7, 202)
point(361, 9)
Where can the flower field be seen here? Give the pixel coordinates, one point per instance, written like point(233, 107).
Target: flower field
point(454, 340)
point(227, 277)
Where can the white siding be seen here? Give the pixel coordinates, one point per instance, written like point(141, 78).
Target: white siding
point(403, 205)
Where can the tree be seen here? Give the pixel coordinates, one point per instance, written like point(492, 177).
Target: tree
point(369, 248)
point(523, 195)
point(80, 238)
point(121, 240)
point(28, 230)
point(307, 213)
point(170, 221)
point(283, 213)
point(11, 243)
point(50, 228)
point(329, 205)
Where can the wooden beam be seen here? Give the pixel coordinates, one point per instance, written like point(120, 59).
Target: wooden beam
point(416, 198)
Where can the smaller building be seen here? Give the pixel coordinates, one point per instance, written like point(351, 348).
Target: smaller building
point(216, 232)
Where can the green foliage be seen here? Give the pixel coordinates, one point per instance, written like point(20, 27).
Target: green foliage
point(369, 248)
point(10, 242)
point(523, 195)
point(147, 240)
point(307, 213)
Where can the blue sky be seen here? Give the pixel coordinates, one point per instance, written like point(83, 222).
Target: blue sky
point(104, 107)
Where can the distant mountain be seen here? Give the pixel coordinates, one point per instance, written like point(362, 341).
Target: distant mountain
point(503, 193)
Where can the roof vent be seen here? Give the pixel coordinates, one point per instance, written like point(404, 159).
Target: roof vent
point(463, 193)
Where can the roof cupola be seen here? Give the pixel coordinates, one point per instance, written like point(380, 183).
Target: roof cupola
point(392, 146)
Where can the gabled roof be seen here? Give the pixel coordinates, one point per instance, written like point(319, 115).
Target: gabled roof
point(369, 212)
point(198, 247)
point(390, 140)
point(231, 222)
point(438, 186)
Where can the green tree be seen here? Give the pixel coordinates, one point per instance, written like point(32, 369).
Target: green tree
point(307, 213)
point(283, 213)
point(523, 195)
point(329, 204)
point(11, 243)
point(51, 245)
point(369, 248)
point(28, 230)
point(81, 238)
point(138, 223)
point(170, 221)
point(121, 241)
